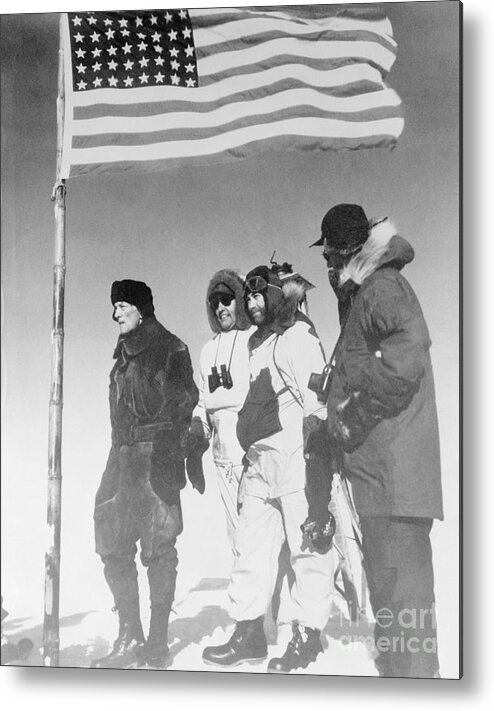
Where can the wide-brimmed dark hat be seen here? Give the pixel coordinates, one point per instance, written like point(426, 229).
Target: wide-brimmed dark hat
point(344, 229)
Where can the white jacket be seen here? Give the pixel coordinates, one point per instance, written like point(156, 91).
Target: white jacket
point(217, 411)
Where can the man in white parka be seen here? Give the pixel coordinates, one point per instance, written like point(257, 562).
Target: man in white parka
point(223, 386)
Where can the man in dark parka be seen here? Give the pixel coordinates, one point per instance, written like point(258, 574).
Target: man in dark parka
point(152, 395)
point(382, 422)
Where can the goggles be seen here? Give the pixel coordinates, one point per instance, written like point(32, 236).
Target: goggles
point(258, 285)
point(215, 299)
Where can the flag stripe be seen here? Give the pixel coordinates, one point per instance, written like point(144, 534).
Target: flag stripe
point(220, 20)
point(359, 70)
point(258, 79)
point(359, 92)
point(177, 134)
point(233, 56)
point(297, 99)
point(308, 127)
point(276, 143)
point(254, 31)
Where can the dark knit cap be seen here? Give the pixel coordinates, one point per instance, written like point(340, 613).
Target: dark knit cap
point(133, 292)
point(344, 229)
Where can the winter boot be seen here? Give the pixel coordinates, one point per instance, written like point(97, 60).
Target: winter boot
point(155, 651)
point(247, 644)
point(124, 652)
point(301, 651)
point(121, 576)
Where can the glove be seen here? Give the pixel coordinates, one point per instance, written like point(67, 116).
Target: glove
point(195, 474)
point(315, 437)
point(319, 533)
point(195, 444)
point(317, 444)
point(354, 421)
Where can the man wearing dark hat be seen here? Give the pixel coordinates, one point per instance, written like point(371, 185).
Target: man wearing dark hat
point(382, 421)
point(279, 409)
point(152, 395)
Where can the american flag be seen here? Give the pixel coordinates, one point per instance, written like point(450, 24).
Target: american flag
point(147, 90)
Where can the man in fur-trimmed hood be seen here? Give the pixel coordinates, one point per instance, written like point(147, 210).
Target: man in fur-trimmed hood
point(229, 282)
point(223, 385)
point(382, 417)
point(284, 351)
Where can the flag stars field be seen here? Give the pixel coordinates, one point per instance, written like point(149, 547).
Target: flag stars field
point(150, 39)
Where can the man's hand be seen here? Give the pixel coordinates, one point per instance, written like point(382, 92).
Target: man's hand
point(353, 421)
point(195, 473)
point(315, 438)
point(319, 532)
point(342, 430)
point(195, 444)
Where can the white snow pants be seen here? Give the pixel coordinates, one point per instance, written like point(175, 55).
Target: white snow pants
point(229, 477)
point(262, 527)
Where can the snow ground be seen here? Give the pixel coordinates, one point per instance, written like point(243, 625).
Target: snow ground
point(200, 618)
point(200, 614)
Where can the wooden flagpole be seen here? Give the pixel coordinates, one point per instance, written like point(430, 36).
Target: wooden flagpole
point(51, 639)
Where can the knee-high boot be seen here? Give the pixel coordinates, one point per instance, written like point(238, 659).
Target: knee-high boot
point(162, 574)
point(130, 635)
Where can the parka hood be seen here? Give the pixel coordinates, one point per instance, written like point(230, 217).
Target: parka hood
point(383, 248)
point(284, 315)
point(234, 279)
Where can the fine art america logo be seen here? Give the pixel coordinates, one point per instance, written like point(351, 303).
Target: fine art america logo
point(405, 630)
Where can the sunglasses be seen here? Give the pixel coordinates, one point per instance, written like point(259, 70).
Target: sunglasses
point(216, 299)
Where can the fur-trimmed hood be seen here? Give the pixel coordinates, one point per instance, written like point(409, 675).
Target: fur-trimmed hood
point(234, 279)
point(383, 247)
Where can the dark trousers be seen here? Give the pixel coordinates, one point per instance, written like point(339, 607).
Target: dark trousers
point(398, 565)
point(128, 510)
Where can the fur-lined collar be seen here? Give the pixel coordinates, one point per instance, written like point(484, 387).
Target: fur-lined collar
point(140, 338)
point(383, 247)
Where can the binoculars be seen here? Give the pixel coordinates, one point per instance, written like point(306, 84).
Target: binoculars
point(215, 379)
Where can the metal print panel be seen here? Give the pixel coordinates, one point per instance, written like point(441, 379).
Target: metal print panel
point(239, 450)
